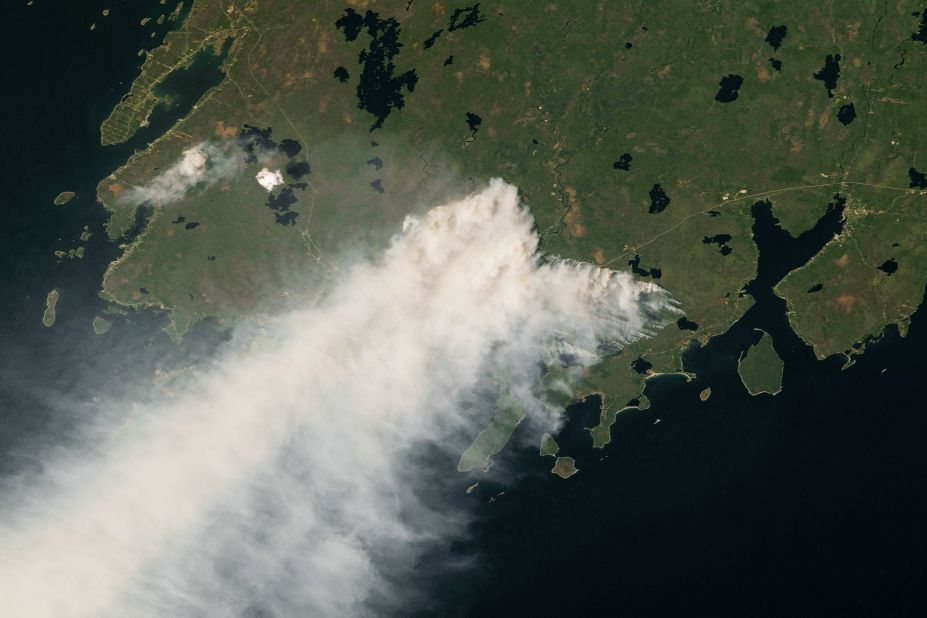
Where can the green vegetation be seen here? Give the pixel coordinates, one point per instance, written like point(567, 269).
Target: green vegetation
point(565, 467)
point(494, 437)
point(857, 300)
point(48, 318)
point(761, 368)
point(78, 251)
point(115, 310)
point(549, 446)
point(177, 52)
point(71, 254)
point(64, 197)
point(563, 90)
point(101, 325)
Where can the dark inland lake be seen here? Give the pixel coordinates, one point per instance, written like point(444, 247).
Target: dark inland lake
point(811, 502)
point(807, 503)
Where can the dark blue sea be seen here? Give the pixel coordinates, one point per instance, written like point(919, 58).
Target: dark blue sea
point(63, 81)
point(808, 503)
point(811, 502)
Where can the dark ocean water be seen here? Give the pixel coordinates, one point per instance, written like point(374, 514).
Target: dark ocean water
point(62, 81)
point(808, 503)
point(811, 502)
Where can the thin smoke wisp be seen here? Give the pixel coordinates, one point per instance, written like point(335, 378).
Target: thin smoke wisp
point(203, 164)
point(275, 483)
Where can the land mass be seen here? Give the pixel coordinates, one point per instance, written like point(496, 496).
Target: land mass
point(640, 136)
point(761, 368)
point(49, 316)
point(565, 467)
point(64, 197)
point(548, 446)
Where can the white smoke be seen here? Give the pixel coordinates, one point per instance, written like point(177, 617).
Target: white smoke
point(202, 164)
point(276, 482)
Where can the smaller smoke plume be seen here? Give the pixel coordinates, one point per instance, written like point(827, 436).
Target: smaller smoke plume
point(203, 164)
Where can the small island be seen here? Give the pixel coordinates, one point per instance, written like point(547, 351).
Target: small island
point(64, 197)
point(101, 325)
point(760, 368)
point(494, 437)
point(48, 318)
point(565, 467)
point(71, 254)
point(548, 446)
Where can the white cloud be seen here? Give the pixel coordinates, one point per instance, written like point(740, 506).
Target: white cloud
point(277, 480)
point(269, 179)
